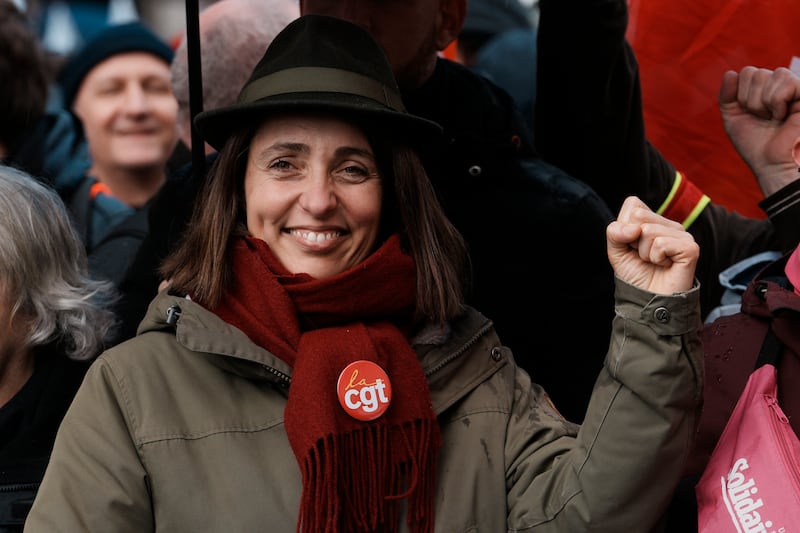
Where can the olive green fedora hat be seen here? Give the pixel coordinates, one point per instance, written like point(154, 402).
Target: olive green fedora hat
point(320, 63)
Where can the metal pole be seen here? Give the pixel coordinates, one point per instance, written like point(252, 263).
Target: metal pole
point(195, 83)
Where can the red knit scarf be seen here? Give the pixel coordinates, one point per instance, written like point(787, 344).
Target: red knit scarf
point(354, 473)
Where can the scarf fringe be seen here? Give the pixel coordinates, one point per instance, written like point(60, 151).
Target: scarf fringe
point(353, 482)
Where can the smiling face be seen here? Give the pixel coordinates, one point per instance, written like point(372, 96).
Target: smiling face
point(313, 193)
point(128, 112)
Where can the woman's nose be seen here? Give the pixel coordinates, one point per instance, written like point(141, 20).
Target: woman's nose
point(319, 195)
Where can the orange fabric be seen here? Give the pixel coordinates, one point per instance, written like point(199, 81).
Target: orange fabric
point(451, 52)
point(98, 189)
point(683, 48)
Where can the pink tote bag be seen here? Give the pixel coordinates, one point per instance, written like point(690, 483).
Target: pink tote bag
point(752, 481)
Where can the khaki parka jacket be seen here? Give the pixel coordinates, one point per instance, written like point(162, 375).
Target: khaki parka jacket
point(180, 429)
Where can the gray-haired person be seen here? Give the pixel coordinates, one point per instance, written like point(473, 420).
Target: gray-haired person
point(53, 322)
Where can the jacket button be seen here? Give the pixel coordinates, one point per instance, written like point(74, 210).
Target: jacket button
point(475, 170)
point(497, 353)
point(662, 315)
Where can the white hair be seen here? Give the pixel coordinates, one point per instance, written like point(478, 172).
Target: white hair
point(44, 270)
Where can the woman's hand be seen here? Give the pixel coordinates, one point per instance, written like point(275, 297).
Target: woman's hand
point(650, 251)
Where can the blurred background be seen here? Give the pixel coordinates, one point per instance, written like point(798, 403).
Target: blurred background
point(64, 25)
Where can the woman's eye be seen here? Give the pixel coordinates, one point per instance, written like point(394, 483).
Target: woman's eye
point(355, 170)
point(281, 164)
point(353, 174)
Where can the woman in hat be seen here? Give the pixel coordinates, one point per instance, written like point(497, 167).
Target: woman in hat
point(312, 366)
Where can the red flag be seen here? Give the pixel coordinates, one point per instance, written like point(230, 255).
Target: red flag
point(683, 48)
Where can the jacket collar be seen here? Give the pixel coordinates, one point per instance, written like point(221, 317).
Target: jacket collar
point(447, 356)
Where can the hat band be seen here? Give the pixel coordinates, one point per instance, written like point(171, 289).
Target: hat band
point(321, 79)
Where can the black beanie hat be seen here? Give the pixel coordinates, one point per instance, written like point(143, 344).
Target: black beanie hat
point(118, 39)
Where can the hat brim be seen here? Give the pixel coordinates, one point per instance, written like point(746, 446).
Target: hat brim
point(217, 125)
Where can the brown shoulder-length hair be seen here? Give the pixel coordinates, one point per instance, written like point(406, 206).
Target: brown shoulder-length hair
point(201, 266)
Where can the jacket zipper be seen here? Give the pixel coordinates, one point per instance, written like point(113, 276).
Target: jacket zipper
point(782, 432)
point(458, 353)
point(15, 487)
point(283, 379)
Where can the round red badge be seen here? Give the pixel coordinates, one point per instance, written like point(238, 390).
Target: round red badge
point(364, 390)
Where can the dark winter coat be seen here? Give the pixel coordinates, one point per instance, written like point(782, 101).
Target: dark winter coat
point(28, 425)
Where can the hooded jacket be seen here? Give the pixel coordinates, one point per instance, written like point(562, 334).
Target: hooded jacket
point(181, 429)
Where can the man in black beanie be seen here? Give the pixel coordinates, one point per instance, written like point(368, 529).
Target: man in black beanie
point(118, 87)
point(114, 40)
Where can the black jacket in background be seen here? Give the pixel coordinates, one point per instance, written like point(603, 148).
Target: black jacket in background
point(28, 425)
point(536, 235)
point(589, 121)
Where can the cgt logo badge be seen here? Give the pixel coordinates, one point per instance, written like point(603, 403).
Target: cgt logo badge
point(364, 390)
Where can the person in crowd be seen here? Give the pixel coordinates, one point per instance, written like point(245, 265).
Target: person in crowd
point(498, 40)
point(118, 86)
point(487, 19)
point(246, 26)
point(37, 134)
point(53, 321)
point(495, 190)
point(233, 37)
point(599, 108)
point(771, 300)
point(314, 357)
point(761, 116)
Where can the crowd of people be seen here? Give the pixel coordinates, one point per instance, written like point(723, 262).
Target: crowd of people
point(245, 322)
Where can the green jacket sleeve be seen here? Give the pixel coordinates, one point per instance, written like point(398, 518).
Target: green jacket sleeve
point(621, 470)
point(95, 481)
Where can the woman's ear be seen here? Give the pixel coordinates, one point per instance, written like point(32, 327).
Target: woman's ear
point(450, 21)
